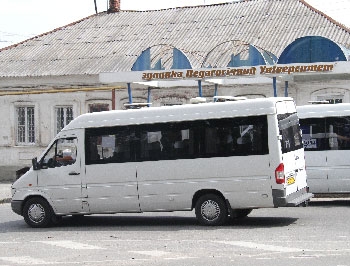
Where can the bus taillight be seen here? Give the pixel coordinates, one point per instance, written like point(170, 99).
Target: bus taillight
point(279, 174)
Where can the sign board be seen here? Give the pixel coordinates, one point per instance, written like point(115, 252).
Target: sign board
point(211, 74)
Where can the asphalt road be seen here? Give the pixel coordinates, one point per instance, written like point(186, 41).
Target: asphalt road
point(315, 236)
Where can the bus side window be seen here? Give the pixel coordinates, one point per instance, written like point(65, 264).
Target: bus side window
point(177, 140)
point(338, 132)
point(123, 145)
point(154, 146)
point(92, 151)
point(314, 134)
point(110, 145)
point(164, 142)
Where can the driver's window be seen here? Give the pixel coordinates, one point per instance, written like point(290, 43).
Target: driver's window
point(62, 153)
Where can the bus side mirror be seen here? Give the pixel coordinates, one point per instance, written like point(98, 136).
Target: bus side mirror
point(35, 164)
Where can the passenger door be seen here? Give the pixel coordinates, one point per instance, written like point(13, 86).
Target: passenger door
point(292, 147)
point(59, 177)
point(110, 180)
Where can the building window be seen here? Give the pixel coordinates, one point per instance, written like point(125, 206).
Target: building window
point(98, 107)
point(25, 125)
point(63, 116)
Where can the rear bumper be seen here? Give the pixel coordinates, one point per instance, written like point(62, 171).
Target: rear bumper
point(281, 200)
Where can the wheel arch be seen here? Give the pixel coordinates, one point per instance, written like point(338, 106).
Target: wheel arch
point(202, 192)
point(31, 196)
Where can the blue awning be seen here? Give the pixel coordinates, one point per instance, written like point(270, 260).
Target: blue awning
point(312, 49)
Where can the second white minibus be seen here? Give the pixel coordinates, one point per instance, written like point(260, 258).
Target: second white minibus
point(220, 159)
point(326, 137)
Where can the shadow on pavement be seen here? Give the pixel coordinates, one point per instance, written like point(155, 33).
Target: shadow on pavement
point(330, 203)
point(145, 223)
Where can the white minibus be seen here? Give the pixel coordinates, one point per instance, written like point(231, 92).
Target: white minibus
point(220, 159)
point(326, 137)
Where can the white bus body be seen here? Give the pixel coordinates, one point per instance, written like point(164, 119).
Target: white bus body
point(221, 159)
point(326, 137)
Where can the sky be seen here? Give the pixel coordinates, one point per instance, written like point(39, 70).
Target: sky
point(23, 19)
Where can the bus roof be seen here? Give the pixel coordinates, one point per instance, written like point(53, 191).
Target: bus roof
point(323, 110)
point(188, 112)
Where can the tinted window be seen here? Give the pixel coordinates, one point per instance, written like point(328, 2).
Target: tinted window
point(290, 131)
point(331, 133)
point(313, 132)
point(104, 145)
point(178, 140)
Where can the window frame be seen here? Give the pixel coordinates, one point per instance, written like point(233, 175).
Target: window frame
point(57, 156)
point(28, 129)
point(65, 116)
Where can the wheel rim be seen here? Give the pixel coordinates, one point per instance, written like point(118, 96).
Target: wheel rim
point(210, 210)
point(36, 213)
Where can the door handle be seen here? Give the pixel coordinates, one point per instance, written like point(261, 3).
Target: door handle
point(74, 173)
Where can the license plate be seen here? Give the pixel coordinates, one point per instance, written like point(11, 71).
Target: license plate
point(290, 180)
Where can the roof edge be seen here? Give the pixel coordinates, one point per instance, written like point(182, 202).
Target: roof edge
point(324, 15)
point(49, 32)
point(185, 7)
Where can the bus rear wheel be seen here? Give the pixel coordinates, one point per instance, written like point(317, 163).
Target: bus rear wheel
point(211, 210)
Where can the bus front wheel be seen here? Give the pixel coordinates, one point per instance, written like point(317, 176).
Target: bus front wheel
point(211, 209)
point(37, 212)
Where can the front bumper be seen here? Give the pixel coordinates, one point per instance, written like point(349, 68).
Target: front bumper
point(281, 200)
point(16, 206)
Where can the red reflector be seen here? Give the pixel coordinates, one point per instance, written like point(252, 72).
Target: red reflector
point(279, 174)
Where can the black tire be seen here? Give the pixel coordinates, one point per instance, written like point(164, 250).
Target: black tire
point(240, 213)
point(211, 210)
point(37, 213)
